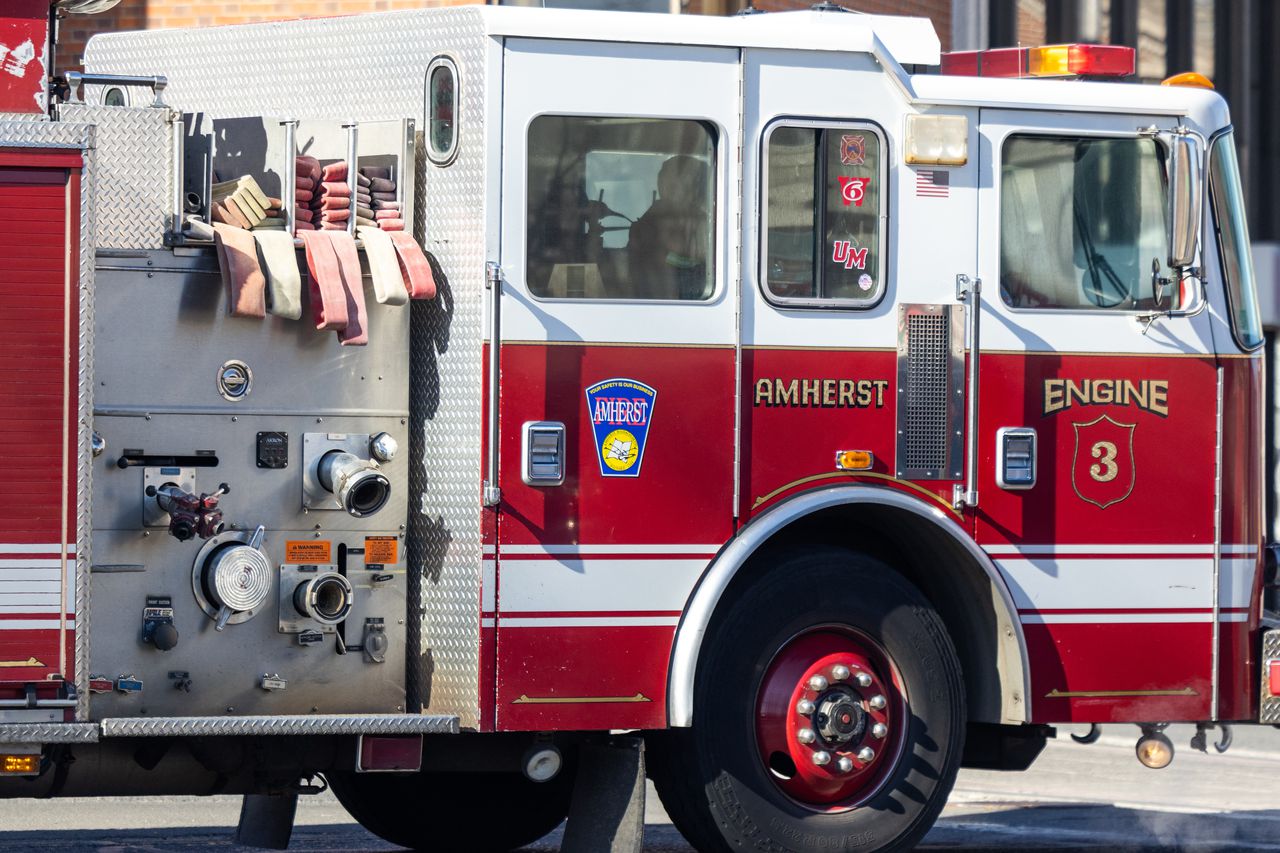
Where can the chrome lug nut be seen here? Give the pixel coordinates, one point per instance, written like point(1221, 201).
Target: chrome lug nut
point(806, 736)
point(866, 754)
point(844, 764)
point(840, 672)
point(864, 680)
point(822, 758)
point(877, 702)
point(804, 706)
point(879, 730)
point(818, 682)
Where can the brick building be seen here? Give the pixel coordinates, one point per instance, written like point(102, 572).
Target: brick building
point(164, 14)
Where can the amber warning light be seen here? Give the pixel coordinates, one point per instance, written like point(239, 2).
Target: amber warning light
point(20, 765)
point(854, 460)
point(1054, 60)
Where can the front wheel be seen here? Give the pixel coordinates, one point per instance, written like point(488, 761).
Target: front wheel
point(828, 714)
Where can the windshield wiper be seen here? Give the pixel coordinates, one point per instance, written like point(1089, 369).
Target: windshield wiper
point(1098, 265)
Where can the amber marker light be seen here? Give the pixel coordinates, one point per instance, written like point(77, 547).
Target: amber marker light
point(1188, 78)
point(21, 765)
point(1086, 60)
point(854, 460)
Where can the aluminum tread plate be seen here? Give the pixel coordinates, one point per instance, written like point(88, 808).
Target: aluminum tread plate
point(275, 63)
point(48, 733)
point(135, 168)
point(1269, 708)
point(314, 724)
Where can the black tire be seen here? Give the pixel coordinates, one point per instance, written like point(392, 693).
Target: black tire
point(711, 777)
point(454, 812)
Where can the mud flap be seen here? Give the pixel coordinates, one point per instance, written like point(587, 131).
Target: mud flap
point(266, 820)
point(606, 814)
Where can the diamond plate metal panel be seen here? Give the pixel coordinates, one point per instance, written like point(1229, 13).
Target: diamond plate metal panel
point(275, 73)
point(1269, 710)
point(34, 134)
point(135, 171)
point(48, 733)
point(65, 134)
point(318, 724)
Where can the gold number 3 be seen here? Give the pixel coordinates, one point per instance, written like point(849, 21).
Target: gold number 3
point(1105, 470)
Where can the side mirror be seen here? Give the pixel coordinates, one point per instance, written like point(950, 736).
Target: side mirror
point(1185, 192)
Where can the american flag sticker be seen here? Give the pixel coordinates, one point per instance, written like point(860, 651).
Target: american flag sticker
point(932, 183)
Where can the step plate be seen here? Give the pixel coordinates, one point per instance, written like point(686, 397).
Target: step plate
point(312, 724)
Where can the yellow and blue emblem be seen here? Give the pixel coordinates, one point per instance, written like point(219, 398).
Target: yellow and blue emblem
point(621, 411)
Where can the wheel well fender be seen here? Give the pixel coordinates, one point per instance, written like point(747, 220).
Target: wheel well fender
point(920, 540)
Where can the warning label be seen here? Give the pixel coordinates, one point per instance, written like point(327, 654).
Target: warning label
point(380, 550)
point(308, 551)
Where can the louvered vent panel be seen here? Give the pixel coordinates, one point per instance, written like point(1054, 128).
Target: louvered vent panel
point(930, 379)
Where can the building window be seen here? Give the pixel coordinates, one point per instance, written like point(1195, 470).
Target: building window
point(1081, 220)
point(442, 110)
point(621, 208)
point(824, 211)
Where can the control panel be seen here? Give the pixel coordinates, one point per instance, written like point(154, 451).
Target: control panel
point(248, 552)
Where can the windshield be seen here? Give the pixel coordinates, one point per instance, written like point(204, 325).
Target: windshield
point(1232, 231)
point(1082, 219)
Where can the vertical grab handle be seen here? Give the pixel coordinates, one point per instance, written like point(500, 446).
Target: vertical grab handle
point(493, 283)
point(289, 192)
point(178, 196)
point(353, 144)
point(969, 290)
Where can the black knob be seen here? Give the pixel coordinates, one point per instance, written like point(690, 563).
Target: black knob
point(182, 530)
point(165, 636)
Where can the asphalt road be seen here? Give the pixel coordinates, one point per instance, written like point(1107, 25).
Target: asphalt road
point(1086, 798)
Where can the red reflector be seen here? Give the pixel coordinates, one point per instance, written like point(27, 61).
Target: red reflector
point(1273, 677)
point(389, 753)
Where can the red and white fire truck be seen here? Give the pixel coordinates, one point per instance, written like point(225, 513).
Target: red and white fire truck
point(960, 436)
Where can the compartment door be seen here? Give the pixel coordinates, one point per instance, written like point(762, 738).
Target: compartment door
point(1110, 554)
point(619, 211)
point(39, 416)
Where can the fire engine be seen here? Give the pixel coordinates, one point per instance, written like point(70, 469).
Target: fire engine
point(333, 452)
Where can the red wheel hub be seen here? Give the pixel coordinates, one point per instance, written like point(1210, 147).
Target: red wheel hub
point(831, 718)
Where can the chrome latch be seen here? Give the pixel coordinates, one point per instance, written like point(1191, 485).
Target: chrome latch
point(543, 456)
point(1015, 457)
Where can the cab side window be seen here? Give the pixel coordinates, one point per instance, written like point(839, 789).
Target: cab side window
point(1081, 221)
point(621, 208)
point(824, 214)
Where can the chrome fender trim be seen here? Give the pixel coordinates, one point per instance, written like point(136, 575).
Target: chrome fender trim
point(715, 580)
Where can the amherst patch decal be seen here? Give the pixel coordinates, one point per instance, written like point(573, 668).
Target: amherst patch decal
point(620, 411)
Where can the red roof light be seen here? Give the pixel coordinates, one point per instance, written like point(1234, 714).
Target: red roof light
point(1054, 60)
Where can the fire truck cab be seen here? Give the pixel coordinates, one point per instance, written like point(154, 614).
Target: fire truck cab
point(960, 433)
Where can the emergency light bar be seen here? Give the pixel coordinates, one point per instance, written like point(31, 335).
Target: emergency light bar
point(1054, 60)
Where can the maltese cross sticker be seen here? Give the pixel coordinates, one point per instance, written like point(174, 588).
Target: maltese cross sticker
point(1103, 470)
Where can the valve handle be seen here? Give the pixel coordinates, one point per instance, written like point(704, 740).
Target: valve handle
point(224, 615)
point(255, 541)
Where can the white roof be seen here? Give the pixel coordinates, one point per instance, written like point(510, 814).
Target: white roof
point(910, 41)
point(1205, 105)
